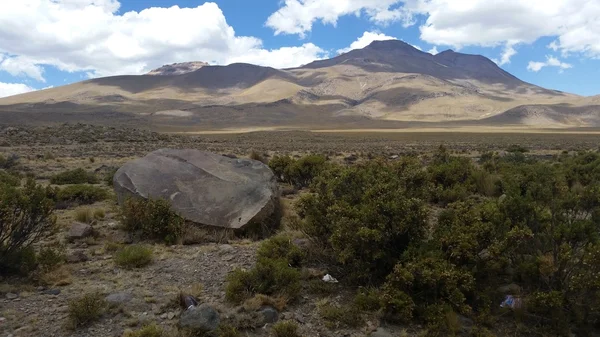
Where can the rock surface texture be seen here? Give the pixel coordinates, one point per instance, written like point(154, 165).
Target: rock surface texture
point(203, 187)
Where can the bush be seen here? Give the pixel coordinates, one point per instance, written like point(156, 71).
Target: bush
point(7, 163)
point(365, 215)
point(151, 330)
point(81, 194)
point(268, 277)
point(99, 214)
point(25, 215)
point(227, 331)
point(84, 215)
point(281, 247)
point(285, 329)
point(154, 218)
point(338, 316)
point(299, 172)
point(108, 178)
point(49, 259)
point(254, 155)
point(76, 176)
point(10, 179)
point(86, 309)
point(134, 256)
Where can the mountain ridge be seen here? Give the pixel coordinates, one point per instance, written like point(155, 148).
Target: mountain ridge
point(386, 83)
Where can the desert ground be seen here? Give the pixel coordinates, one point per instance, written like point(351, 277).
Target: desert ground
point(38, 306)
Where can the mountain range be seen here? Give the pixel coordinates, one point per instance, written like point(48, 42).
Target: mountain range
point(388, 84)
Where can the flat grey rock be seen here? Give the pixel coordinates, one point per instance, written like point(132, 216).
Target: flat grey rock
point(80, 230)
point(203, 187)
point(203, 318)
point(119, 298)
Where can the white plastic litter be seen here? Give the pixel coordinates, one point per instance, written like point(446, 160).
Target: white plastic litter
point(329, 279)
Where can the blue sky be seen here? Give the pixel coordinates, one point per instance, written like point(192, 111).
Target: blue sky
point(45, 43)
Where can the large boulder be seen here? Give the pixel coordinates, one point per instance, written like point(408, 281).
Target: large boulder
point(203, 187)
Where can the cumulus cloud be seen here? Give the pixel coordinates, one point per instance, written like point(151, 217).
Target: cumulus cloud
point(575, 24)
point(93, 37)
point(10, 89)
point(298, 16)
point(366, 39)
point(551, 61)
point(508, 52)
point(22, 66)
point(433, 51)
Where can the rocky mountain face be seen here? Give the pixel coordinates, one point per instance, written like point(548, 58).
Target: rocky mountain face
point(388, 84)
point(177, 68)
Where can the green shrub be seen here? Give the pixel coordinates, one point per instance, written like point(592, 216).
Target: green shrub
point(151, 330)
point(268, 277)
point(9, 178)
point(108, 178)
point(49, 259)
point(81, 194)
point(285, 329)
point(9, 162)
point(340, 316)
point(86, 309)
point(299, 172)
point(25, 216)
point(364, 214)
point(134, 256)
point(281, 247)
point(154, 218)
point(76, 176)
point(368, 299)
point(227, 331)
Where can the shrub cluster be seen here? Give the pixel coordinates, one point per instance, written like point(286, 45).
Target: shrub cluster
point(134, 256)
point(86, 309)
point(79, 194)
point(298, 172)
point(272, 274)
point(509, 220)
point(25, 215)
point(154, 218)
point(76, 176)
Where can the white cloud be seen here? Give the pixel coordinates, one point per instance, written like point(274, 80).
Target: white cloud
point(298, 16)
point(18, 66)
point(92, 37)
point(574, 23)
point(10, 89)
point(366, 39)
point(508, 52)
point(551, 61)
point(433, 51)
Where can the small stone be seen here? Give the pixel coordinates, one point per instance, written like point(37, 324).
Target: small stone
point(381, 332)
point(299, 318)
point(269, 314)
point(11, 296)
point(170, 315)
point(228, 257)
point(41, 288)
point(119, 298)
point(164, 316)
point(51, 292)
point(79, 231)
point(203, 318)
point(510, 289)
point(77, 256)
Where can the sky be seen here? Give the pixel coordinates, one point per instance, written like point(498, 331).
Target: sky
point(49, 43)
